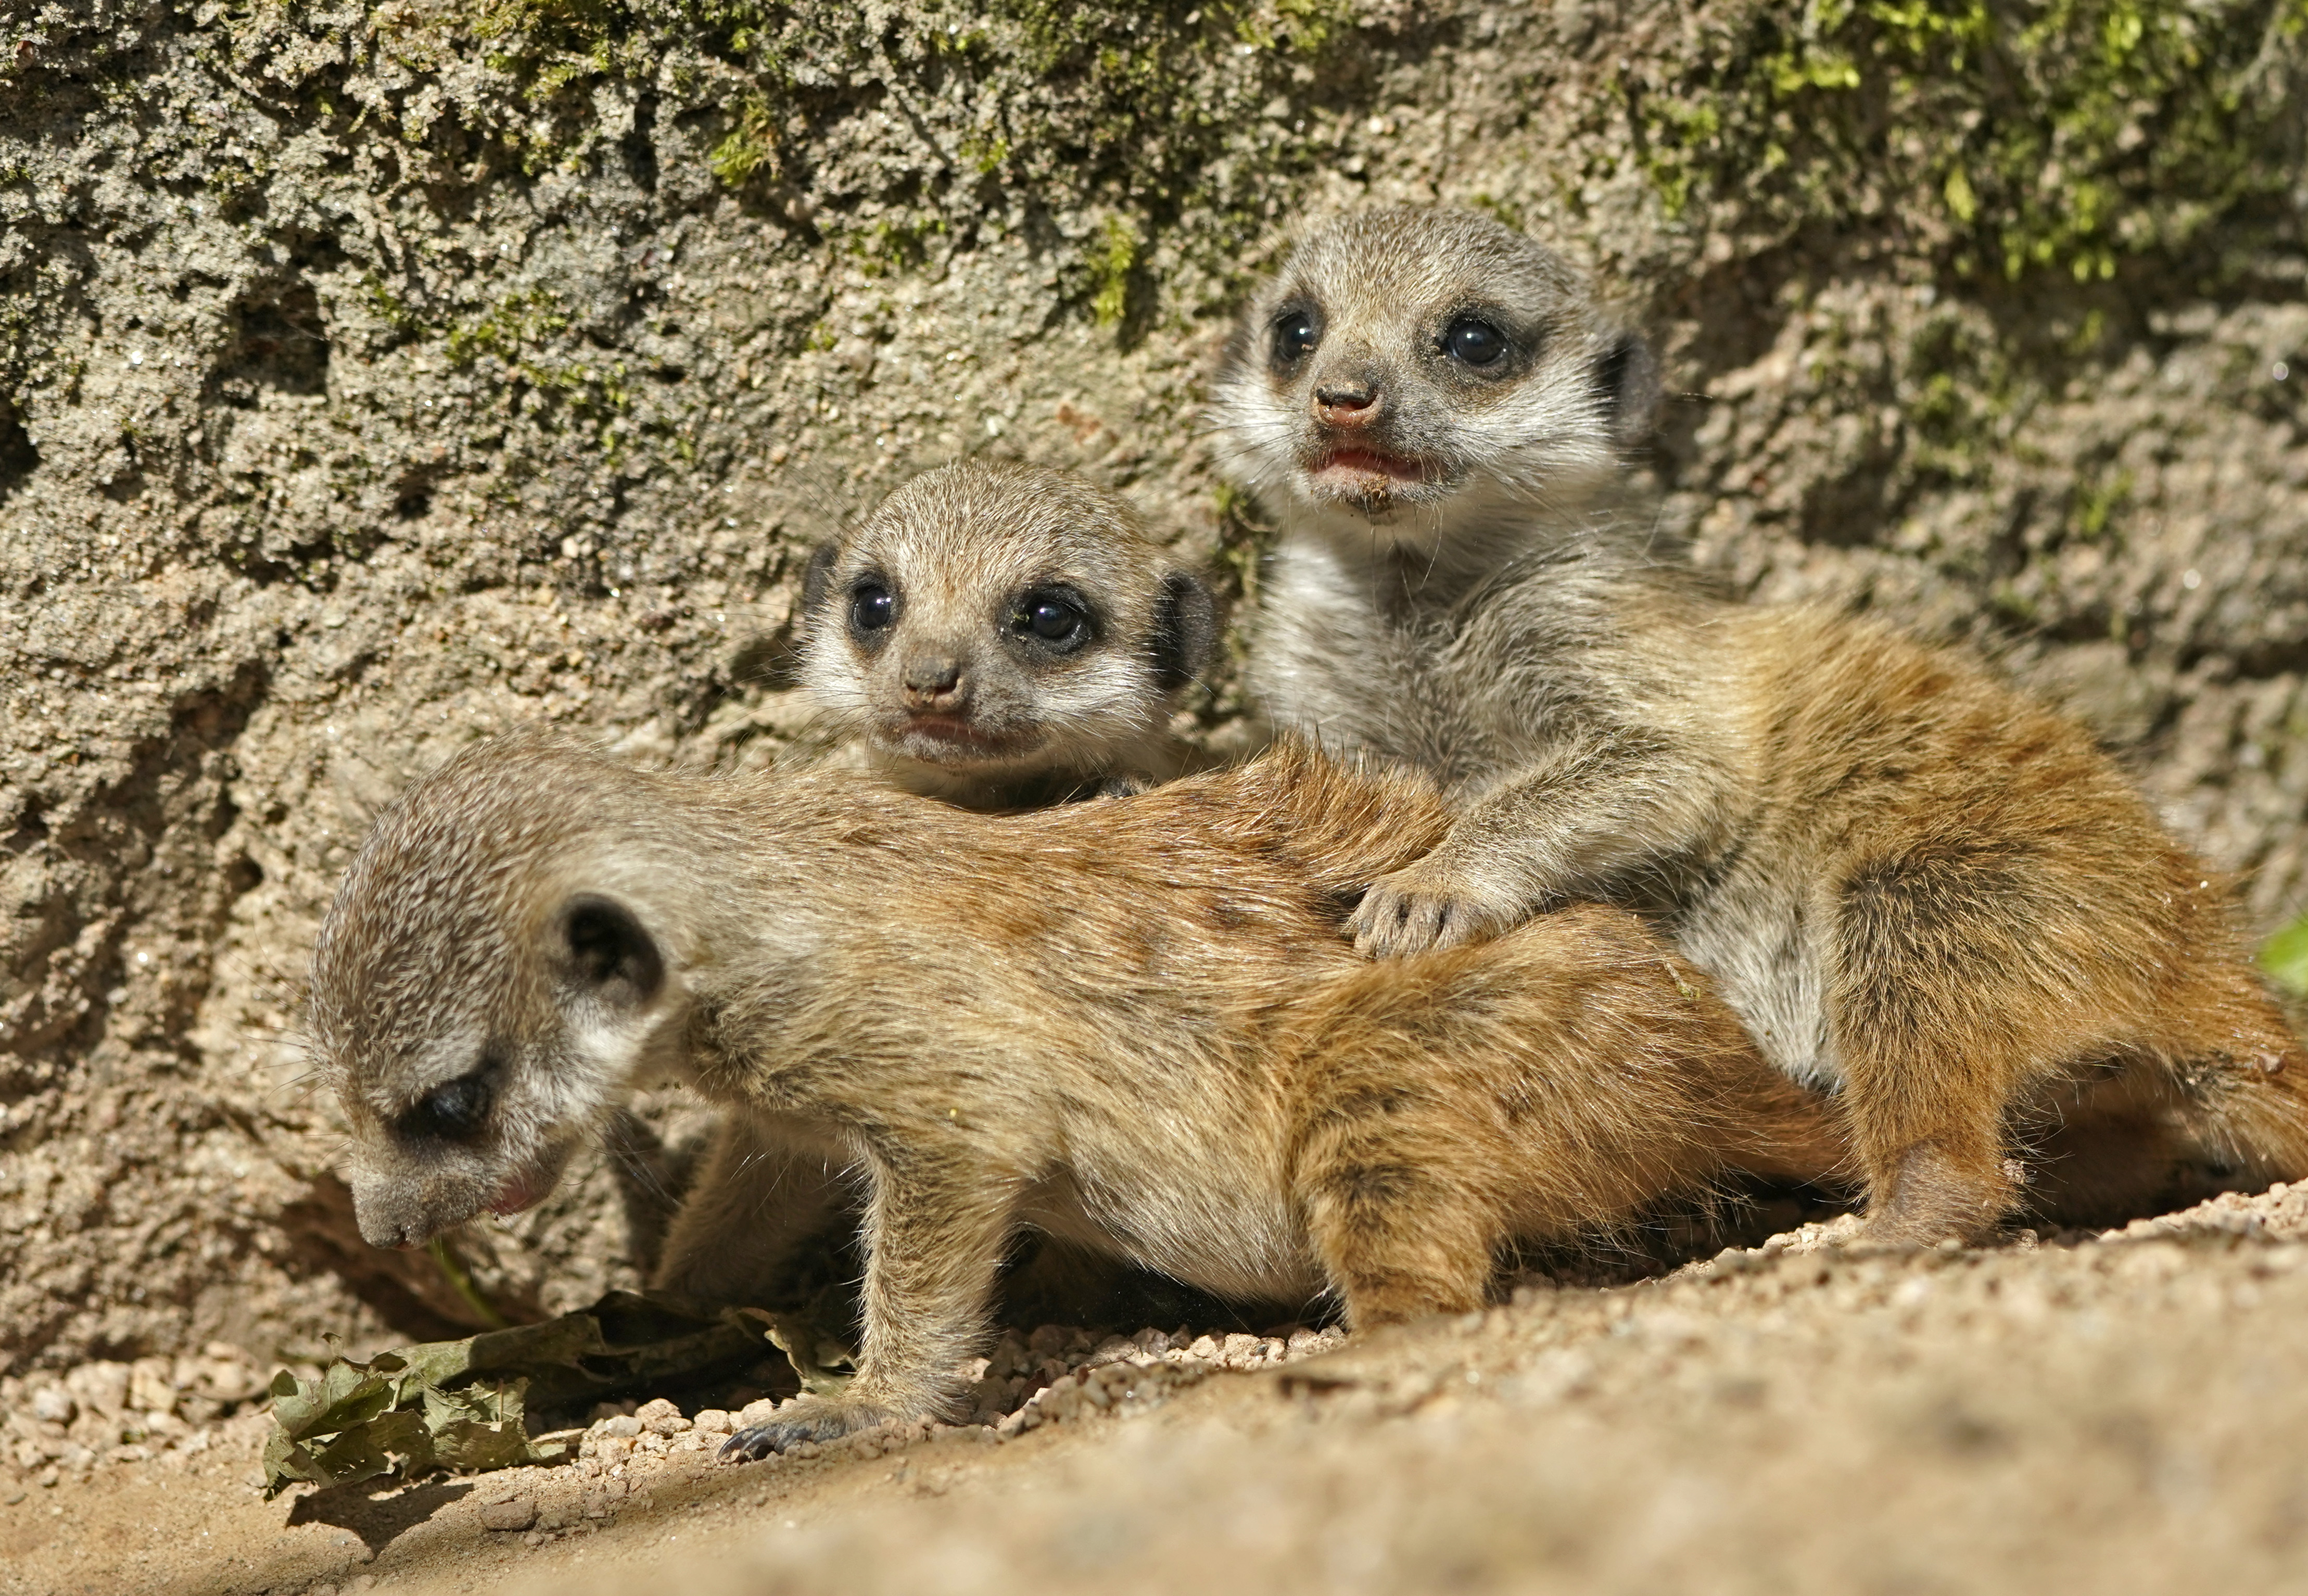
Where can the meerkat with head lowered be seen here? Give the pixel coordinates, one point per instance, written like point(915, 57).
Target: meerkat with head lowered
point(1916, 887)
point(1001, 636)
point(1132, 1026)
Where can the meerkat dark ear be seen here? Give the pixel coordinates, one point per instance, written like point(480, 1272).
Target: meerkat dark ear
point(1627, 375)
point(609, 955)
point(1186, 629)
point(818, 578)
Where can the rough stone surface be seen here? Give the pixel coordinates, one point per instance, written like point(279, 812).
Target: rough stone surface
point(374, 377)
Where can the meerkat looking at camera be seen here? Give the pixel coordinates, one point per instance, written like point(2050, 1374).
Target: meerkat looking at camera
point(1003, 636)
point(1132, 1026)
point(1916, 887)
point(999, 635)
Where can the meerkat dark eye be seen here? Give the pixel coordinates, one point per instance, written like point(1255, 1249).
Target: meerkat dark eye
point(871, 607)
point(1054, 621)
point(1474, 341)
point(453, 1112)
point(1051, 618)
point(1295, 334)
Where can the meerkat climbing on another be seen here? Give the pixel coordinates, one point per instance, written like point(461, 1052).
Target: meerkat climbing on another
point(1003, 636)
point(1916, 887)
point(1132, 1026)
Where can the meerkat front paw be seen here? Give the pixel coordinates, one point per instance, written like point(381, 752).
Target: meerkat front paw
point(804, 1418)
point(1425, 906)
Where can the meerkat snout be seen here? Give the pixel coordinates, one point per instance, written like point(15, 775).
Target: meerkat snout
point(935, 685)
point(1000, 634)
point(931, 675)
point(1411, 357)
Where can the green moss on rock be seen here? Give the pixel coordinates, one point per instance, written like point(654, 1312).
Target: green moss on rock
point(2063, 135)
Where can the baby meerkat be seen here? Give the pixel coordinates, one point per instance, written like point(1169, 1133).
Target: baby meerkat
point(1132, 1026)
point(1914, 885)
point(1003, 636)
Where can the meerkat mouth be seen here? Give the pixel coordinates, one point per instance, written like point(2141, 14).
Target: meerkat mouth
point(952, 735)
point(1366, 473)
point(522, 1191)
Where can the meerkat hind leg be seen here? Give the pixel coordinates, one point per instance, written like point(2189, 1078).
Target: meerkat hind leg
point(1947, 1013)
point(2219, 1101)
point(1550, 1085)
point(1966, 1000)
point(1401, 1230)
point(1928, 1130)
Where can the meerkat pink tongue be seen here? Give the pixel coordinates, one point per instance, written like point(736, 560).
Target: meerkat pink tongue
point(521, 1191)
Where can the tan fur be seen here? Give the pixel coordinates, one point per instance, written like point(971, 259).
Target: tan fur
point(921, 641)
point(956, 697)
point(1913, 885)
point(1132, 1025)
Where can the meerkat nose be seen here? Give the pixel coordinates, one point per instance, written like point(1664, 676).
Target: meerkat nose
point(1350, 402)
point(393, 1235)
point(933, 680)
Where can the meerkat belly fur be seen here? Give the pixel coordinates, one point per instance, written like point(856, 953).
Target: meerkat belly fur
point(1003, 636)
point(1132, 1024)
point(1914, 886)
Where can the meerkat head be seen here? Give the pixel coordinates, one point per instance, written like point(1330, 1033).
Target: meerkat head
point(487, 983)
point(1002, 622)
point(1427, 359)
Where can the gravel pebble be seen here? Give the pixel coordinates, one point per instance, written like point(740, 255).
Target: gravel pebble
point(661, 1418)
point(1113, 1348)
point(518, 1513)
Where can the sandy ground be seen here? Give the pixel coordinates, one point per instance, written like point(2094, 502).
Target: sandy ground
point(2113, 1413)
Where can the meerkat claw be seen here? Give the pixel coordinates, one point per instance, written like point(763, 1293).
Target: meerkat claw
point(1394, 922)
point(806, 1421)
point(751, 1445)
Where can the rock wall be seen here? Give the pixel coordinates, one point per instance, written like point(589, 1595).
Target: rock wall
point(374, 377)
